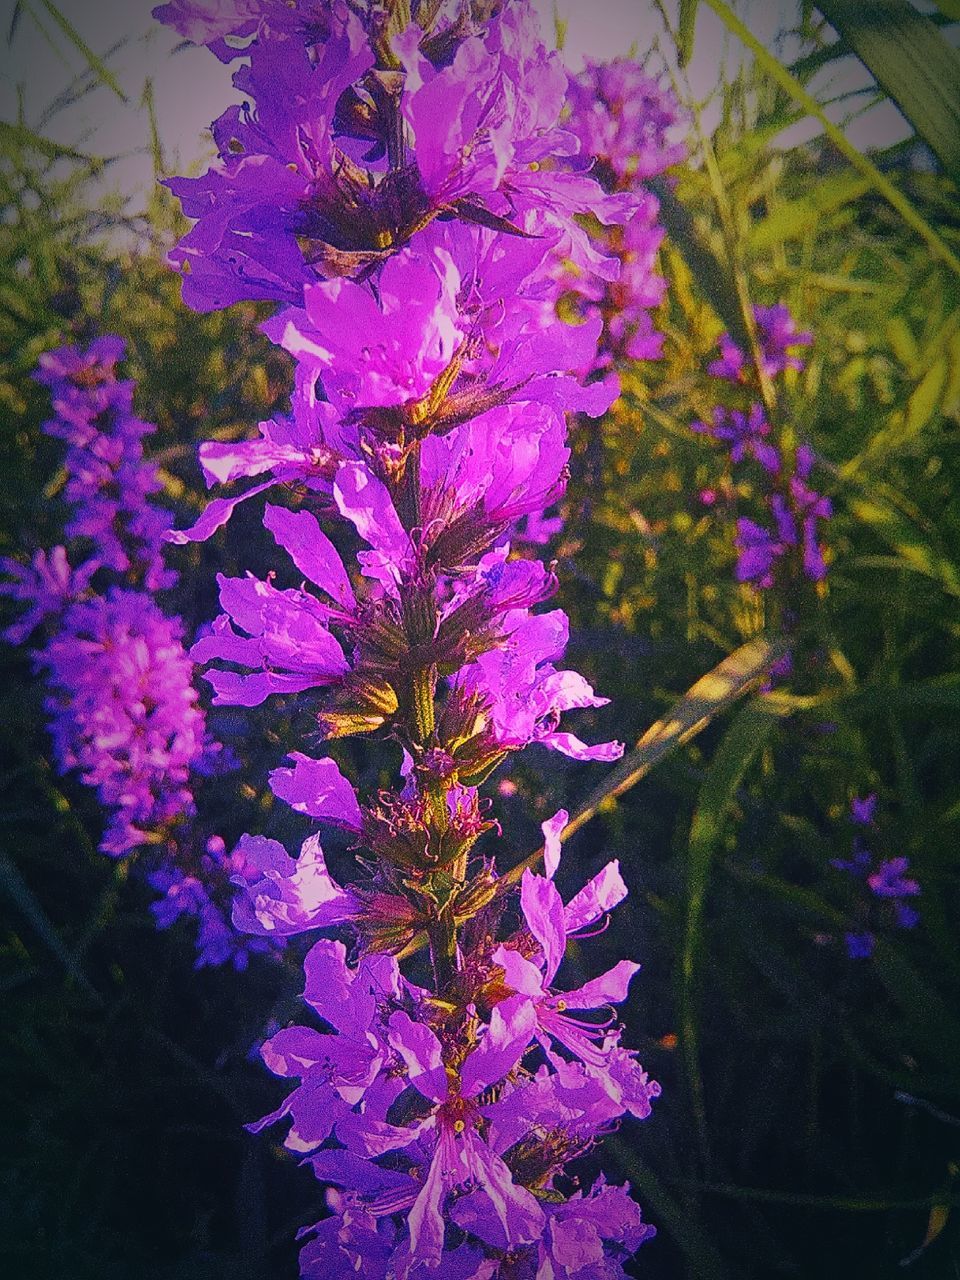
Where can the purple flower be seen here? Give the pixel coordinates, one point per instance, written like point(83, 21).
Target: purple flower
point(208, 21)
point(461, 1156)
point(319, 789)
point(288, 648)
point(338, 166)
point(745, 434)
point(757, 552)
point(810, 507)
point(455, 329)
point(591, 1234)
point(886, 880)
point(280, 895)
point(204, 897)
point(406, 190)
point(522, 694)
point(624, 117)
point(859, 945)
point(889, 881)
point(335, 1070)
point(48, 585)
point(544, 914)
point(777, 335)
point(124, 712)
point(109, 483)
point(863, 809)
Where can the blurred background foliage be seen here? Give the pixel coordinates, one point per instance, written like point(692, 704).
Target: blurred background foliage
point(810, 1120)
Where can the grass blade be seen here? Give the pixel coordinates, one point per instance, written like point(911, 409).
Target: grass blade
point(685, 30)
point(779, 73)
point(96, 64)
point(711, 274)
point(15, 138)
point(912, 63)
point(702, 1257)
point(746, 736)
point(21, 894)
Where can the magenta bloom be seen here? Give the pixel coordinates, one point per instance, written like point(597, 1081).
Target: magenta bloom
point(555, 1012)
point(777, 334)
point(289, 646)
point(524, 694)
point(280, 895)
point(417, 345)
point(124, 712)
point(889, 881)
point(48, 585)
point(322, 178)
point(757, 552)
point(624, 118)
point(745, 434)
point(863, 809)
point(461, 1156)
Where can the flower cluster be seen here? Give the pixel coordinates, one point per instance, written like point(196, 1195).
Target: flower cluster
point(123, 711)
point(109, 483)
point(625, 119)
point(886, 880)
point(401, 184)
point(787, 542)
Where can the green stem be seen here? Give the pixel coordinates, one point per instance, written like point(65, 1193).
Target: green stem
point(424, 714)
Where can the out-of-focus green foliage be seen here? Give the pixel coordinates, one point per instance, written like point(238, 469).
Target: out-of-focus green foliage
point(786, 1142)
point(810, 1121)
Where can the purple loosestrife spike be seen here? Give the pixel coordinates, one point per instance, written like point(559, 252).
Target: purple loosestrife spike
point(622, 117)
point(124, 712)
point(885, 879)
point(425, 193)
point(109, 483)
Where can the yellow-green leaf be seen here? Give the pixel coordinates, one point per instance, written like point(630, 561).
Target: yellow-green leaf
point(795, 218)
point(912, 62)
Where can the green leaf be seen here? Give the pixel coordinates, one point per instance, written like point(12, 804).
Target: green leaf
point(738, 749)
point(795, 218)
point(779, 73)
point(910, 543)
point(15, 138)
point(916, 998)
point(686, 29)
point(912, 62)
point(902, 342)
point(925, 401)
